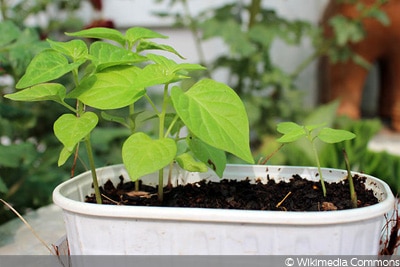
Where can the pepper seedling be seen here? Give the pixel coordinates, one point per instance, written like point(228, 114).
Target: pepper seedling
point(292, 132)
point(116, 73)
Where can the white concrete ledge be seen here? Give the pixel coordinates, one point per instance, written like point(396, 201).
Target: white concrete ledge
point(17, 239)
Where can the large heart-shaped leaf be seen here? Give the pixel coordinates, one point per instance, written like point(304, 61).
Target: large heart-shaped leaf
point(46, 66)
point(40, 92)
point(70, 129)
point(115, 87)
point(216, 115)
point(142, 155)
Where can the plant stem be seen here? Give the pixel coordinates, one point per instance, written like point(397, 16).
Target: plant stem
point(93, 169)
point(305, 63)
point(255, 8)
point(163, 113)
point(171, 125)
point(161, 185)
point(161, 117)
point(319, 169)
point(264, 161)
point(151, 103)
point(353, 194)
point(131, 121)
point(132, 129)
point(3, 7)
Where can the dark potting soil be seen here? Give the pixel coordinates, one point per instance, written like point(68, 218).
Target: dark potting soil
point(297, 195)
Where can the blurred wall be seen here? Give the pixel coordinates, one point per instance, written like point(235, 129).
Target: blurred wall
point(127, 13)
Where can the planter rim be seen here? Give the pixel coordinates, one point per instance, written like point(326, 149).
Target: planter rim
point(224, 215)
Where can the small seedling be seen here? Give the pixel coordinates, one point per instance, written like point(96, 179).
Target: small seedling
point(292, 132)
point(353, 194)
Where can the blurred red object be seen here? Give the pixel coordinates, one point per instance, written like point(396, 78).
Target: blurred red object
point(101, 23)
point(97, 4)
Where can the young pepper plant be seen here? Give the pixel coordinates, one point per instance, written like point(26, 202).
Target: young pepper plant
point(117, 72)
point(292, 132)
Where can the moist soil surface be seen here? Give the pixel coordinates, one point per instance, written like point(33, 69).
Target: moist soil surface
point(297, 195)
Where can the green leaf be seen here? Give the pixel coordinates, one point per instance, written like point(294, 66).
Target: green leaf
point(233, 35)
point(142, 155)
point(115, 87)
point(40, 92)
point(70, 129)
point(138, 33)
point(8, 32)
point(188, 67)
point(155, 74)
point(214, 158)
point(15, 155)
point(346, 30)
point(291, 137)
point(380, 16)
point(166, 70)
point(107, 55)
point(64, 156)
point(214, 113)
point(291, 132)
point(313, 127)
point(101, 33)
point(113, 118)
point(288, 127)
point(171, 65)
point(187, 162)
point(3, 186)
point(75, 49)
point(147, 45)
point(329, 135)
point(263, 34)
point(46, 66)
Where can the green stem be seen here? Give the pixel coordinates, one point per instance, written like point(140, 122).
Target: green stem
point(68, 107)
point(93, 169)
point(319, 169)
point(161, 117)
point(131, 127)
point(131, 121)
point(161, 185)
point(163, 113)
point(255, 8)
point(151, 103)
point(3, 7)
point(171, 125)
point(353, 194)
point(304, 64)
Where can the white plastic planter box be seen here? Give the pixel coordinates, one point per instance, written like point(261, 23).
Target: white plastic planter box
point(109, 229)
